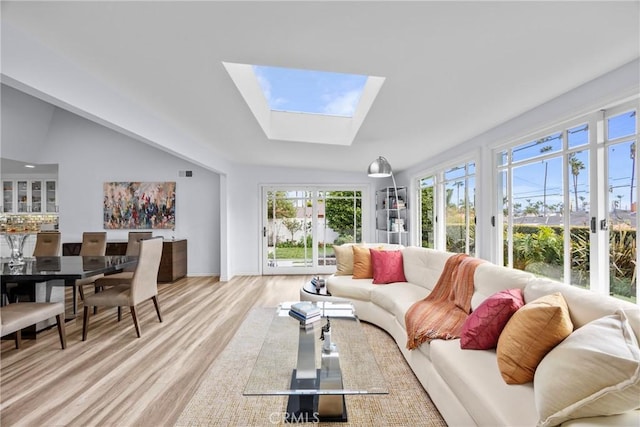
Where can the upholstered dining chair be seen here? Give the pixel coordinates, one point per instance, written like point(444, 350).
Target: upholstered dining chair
point(143, 287)
point(94, 243)
point(125, 276)
point(47, 244)
point(15, 317)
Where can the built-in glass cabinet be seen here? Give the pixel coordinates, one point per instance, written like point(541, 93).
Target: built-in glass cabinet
point(29, 196)
point(7, 195)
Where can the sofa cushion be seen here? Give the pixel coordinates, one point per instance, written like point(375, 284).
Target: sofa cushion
point(595, 371)
point(482, 328)
point(584, 305)
point(490, 278)
point(344, 259)
point(530, 334)
point(387, 266)
point(346, 287)
point(473, 376)
point(362, 266)
point(422, 266)
point(396, 298)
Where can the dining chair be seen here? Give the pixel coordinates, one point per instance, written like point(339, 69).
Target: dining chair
point(17, 316)
point(94, 243)
point(47, 244)
point(143, 286)
point(124, 276)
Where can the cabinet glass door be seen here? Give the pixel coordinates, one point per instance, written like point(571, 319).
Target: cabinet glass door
point(52, 202)
point(7, 196)
point(36, 196)
point(23, 196)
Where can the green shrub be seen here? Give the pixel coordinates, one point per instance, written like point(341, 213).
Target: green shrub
point(342, 239)
point(539, 249)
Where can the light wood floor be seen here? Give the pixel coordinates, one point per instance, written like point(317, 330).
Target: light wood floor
point(115, 378)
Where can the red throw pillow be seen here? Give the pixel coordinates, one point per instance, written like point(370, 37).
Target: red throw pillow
point(387, 266)
point(482, 328)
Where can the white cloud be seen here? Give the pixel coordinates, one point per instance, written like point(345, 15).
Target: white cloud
point(344, 105)
point(277, 102)
point(265, 85)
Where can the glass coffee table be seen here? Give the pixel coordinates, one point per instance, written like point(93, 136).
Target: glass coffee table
point(316, 373)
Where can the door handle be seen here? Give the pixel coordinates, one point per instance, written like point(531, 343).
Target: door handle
point(594, 224)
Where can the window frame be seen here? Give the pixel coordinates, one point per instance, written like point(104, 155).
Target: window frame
point(598, 184)
point(439, 200)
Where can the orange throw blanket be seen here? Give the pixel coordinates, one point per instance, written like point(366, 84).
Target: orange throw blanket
point(443, 312)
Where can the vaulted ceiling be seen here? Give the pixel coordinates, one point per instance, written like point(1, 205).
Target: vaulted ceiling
point(452, 69)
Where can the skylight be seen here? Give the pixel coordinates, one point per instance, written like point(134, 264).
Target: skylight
point(289, 107)
point(308, 91)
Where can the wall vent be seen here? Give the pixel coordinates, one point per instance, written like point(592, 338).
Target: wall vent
point(187, 174)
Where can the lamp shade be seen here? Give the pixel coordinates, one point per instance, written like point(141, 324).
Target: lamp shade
point(379, 168)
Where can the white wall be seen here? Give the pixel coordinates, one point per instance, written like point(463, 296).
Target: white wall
point(25, 124)
point(89, 154)
point(245, 202)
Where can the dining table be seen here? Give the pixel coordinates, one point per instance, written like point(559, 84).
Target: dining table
point(61, 270)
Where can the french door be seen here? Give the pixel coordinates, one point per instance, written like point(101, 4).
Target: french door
point(302, 223)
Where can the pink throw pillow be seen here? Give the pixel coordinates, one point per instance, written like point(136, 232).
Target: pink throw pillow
point(482, 328)
point(387, 266)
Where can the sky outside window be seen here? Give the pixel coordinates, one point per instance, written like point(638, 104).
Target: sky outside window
point(311, 92)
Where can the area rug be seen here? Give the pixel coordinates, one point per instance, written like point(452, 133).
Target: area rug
point(218, 401)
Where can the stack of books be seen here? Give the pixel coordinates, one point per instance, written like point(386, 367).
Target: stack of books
point(306, 312)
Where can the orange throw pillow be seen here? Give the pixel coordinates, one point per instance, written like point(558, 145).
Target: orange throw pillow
point(532, 332)
point(362, 266)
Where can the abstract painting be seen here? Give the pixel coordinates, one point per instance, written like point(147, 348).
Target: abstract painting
point(139, 205)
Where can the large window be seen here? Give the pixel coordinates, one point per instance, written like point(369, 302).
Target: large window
point(560, 217)
point(427, 212)
point(460, 190)
point(447, 209)
point(301, 225)
point(621, 137)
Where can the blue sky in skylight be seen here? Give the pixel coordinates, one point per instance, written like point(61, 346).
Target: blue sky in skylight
point(312, 92)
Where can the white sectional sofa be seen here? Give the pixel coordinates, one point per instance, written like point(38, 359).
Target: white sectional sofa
point(466, 385)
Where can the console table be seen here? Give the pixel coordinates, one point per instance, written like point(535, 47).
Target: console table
point(173, 264)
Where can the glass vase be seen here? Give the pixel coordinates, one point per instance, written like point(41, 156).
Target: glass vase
point(16, 245)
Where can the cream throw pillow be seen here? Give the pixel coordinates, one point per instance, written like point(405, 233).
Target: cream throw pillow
point(595, 371)
point(530, 334)
point(344, 259)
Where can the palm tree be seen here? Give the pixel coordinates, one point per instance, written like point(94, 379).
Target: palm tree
point(576, 166)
